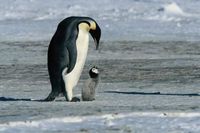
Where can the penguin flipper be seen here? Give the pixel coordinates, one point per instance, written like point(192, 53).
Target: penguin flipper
point(72, 54)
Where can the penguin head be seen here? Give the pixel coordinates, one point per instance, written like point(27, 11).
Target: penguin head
point(93, 28)
point(94, 72)
point(95, 32)
point(86, 23)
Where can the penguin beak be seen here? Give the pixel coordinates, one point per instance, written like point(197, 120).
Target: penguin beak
point(96, 35)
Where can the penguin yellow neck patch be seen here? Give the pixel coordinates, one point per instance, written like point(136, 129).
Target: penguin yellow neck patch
point(92, 25)
point(85, 26)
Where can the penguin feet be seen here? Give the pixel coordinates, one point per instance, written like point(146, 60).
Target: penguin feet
point(88, 99)
point(75, 99)
point(51, 96)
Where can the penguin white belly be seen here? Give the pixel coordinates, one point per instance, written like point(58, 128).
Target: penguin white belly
point(71, 79)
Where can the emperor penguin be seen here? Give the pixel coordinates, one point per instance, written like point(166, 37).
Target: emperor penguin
point(89, 87)
point(67, 54)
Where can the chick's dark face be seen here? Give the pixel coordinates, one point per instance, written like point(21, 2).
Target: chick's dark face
point(94, 72)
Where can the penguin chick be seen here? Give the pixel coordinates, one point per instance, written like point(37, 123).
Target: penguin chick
point(88, 90)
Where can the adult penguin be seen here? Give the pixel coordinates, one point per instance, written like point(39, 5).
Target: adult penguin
point(67, 54)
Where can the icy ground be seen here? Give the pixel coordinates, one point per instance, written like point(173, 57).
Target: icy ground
point(149, 59)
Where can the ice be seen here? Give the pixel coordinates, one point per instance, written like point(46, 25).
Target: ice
point(172, 121)
point(37, 20)
point(149, 60)
point(173, 8)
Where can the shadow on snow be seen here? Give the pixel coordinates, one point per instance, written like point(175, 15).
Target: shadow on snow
point(154, 93)
point(18, 99)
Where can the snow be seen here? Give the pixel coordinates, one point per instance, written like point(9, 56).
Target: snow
point(37, 20)
point(173, 8)
point(149, 49)
point(136, 121)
